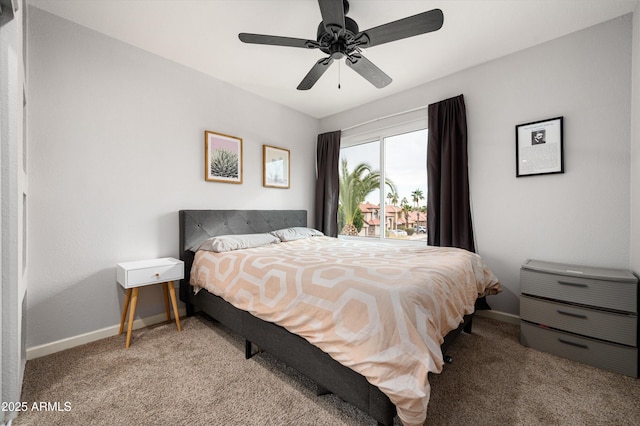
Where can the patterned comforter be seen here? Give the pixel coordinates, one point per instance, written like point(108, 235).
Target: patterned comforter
point(378, 308)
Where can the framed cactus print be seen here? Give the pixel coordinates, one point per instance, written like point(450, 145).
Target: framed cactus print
point(275, 167)
point(222, 158)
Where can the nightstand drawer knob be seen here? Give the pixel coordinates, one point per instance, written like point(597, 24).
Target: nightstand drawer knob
point(157, 274)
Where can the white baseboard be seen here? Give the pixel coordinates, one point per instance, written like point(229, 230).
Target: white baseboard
point(500, 316)
point(92, 336)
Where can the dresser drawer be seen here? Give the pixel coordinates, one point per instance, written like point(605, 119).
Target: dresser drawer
point(136, 274)
point(620, 296)
point(614, 327)
point(609, 356)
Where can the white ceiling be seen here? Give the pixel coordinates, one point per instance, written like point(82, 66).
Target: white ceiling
point(203, 35)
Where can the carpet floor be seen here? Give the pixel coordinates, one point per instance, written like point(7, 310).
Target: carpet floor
point(200, 377)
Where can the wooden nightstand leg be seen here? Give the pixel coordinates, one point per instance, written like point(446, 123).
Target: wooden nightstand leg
point(172, 291)
point(132, 312)
point(127, 298)
point(165, 290)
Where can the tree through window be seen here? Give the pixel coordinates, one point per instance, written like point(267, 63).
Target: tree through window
point(395, 166)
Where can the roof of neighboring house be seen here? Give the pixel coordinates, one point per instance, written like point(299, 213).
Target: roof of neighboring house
point(392, 210)
point(368, 207)
point(417, 216)
point(413, 218)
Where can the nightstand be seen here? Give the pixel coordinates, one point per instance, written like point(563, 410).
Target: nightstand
point(586, 314)
point(133, 275)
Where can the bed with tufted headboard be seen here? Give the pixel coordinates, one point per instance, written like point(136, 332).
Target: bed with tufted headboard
point(197, 226)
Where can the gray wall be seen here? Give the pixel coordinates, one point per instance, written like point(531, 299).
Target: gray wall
point(581, 216)
point(116, 149)
point(635, 145)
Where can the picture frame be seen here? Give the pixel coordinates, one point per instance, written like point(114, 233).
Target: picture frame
point(276, 167)
point(222, 158)
point(540, 147)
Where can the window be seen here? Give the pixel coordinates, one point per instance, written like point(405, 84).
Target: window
point(383, 184)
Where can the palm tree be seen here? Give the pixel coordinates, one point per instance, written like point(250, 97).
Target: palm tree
point(417, 195)
point(406, 208)
point(393, 198)
point(354, 188)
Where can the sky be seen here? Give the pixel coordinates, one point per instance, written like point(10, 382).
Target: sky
point(406, 163)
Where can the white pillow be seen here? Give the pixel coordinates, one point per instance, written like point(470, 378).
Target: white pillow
point(224, 243)
point(296, 233)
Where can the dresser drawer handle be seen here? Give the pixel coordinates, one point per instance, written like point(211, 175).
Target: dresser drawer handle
point(571, 314)
point(572, 284)
point(578, 345)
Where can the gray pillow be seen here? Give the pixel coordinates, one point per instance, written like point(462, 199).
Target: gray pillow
point(296, 233)
point(224, 243)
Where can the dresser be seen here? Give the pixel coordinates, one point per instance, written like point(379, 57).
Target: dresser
point(582, 313)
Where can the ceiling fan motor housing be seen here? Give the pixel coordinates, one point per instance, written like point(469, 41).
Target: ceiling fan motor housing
point(341, 45)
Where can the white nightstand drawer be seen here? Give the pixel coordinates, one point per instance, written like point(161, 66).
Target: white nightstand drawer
point(144, 272)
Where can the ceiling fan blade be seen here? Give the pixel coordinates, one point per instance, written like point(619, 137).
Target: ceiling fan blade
point(368, 70)
point(278, 40)
point(332, 15)
point(403, 28)
point(315, 73)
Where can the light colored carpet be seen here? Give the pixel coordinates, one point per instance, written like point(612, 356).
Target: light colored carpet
point(200, 377)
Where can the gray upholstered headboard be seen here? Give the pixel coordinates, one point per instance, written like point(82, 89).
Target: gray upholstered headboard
point(198, 225)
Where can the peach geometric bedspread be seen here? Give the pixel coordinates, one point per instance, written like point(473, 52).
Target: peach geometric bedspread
point(378, 308)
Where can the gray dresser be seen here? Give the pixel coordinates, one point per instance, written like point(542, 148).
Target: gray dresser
point(586, 314)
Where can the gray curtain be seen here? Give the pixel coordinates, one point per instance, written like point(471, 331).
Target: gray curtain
point(448, 207)
point(328, 183)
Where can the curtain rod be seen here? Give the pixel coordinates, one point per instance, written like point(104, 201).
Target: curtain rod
point(384, 118)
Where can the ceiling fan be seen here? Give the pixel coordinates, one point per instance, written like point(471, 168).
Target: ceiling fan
point(339, 36)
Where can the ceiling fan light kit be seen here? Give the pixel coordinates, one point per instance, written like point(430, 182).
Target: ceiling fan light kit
point(339, 37)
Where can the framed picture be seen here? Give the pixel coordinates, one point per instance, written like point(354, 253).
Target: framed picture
point(222, 158)
point(275, 167)
point(539, 148)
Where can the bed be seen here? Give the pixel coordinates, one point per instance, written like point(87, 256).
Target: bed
point(352, 379)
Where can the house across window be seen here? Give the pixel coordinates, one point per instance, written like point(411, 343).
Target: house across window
point(383, 187)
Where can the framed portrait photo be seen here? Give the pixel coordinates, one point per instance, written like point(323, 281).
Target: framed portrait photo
point(539, 147)
point(276, 168)
point(222, 158)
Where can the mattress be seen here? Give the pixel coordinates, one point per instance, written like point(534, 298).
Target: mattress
point(378, 308)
